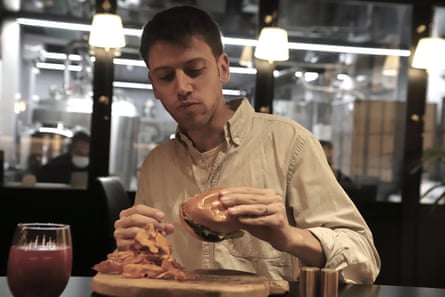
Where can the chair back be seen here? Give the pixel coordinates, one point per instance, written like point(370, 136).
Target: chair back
point(115, 198)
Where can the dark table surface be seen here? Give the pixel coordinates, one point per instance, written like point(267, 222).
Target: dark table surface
point(81, 287)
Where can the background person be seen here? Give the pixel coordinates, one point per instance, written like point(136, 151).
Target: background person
point(61, 168)
point(328, 148)
point(276, 180)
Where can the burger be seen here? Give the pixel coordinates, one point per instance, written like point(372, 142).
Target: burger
point(205, 218)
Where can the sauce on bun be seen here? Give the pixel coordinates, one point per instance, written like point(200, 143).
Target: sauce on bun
point(205, 218)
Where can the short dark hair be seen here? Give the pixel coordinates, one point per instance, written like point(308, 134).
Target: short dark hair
point(177, 25)
point(80, 136)
point(326, 144)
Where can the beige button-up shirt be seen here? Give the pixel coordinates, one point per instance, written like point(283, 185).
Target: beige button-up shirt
point(265, 151)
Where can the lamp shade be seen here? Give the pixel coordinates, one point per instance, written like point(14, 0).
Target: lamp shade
point(429, 54)
point(107, 31)
point(272, 45)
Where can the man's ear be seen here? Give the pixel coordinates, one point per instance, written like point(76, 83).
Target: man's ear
point(224, 68)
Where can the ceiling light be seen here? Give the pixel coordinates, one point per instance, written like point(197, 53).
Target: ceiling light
point(272, 45)
point(429, 54)
point(55, 66)
point(349, 49)
point(129, 62)
point(132, 85)
point(54, 24)
point(242, 70)
point(58, 130)
point(239, 41)
point(107, 31)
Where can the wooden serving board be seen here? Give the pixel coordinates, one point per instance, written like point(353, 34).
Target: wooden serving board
point(210, 283)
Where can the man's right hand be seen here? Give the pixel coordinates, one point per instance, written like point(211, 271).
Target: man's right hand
point(132, 219)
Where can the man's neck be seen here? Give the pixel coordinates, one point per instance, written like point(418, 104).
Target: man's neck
point(206, 142)
point(213, 135)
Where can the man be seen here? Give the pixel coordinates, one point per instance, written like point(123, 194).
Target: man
point(276, 180)
point(61, 168)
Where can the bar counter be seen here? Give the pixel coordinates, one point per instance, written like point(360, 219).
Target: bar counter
point(81, 287)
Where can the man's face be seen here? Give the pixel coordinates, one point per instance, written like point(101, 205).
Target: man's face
point(188, 81)
point(81, 148)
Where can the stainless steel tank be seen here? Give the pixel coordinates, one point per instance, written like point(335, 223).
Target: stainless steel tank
point(123, 138)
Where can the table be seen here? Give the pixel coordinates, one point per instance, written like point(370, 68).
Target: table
point(81, 287)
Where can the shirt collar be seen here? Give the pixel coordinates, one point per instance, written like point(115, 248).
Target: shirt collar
point(235, 128)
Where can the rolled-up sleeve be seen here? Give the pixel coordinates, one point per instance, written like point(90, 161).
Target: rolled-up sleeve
point(350, 253)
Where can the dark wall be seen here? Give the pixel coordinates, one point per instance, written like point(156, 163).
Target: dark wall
point(385, 221)
point(431, 247)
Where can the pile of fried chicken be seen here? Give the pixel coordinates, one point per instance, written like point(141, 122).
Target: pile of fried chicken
point(149, 257)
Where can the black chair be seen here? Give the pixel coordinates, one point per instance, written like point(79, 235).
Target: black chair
point(115, 198)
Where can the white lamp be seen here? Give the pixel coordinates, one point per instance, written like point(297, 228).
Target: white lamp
point(107, 31)
point(272, 45)
point(429, 54)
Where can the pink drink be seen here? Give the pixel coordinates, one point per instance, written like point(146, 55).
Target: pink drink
point(38, 271)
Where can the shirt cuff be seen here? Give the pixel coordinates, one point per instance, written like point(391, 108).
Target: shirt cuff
point(345, 256)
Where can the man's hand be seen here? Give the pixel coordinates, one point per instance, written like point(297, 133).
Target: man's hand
point(263, 214)
point(261, 211)
point(132, 219)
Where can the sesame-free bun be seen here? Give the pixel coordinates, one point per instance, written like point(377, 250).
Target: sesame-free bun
point(205, 218)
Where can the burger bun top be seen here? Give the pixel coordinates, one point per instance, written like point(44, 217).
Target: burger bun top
point(205, 209)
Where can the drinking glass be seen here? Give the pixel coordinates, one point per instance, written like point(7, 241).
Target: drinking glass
point(40, 259)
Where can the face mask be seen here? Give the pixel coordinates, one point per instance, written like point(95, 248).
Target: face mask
point(80, 161)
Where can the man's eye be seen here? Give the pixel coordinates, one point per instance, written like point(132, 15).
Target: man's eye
point(166, 77)
point(194, 72)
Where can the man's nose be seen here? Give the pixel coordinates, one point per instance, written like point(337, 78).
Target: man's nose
point(183, 83)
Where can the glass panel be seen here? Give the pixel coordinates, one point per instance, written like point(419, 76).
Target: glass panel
point(51, 85)
point(345, 89)
point(332, 92)
point(433, 178)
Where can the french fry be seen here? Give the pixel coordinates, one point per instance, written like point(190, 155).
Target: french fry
point(149, 257)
